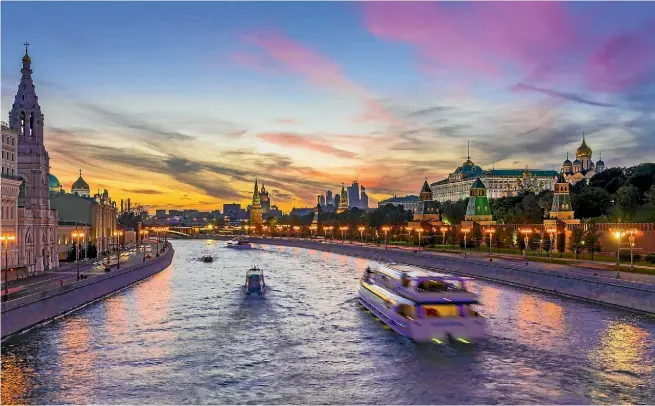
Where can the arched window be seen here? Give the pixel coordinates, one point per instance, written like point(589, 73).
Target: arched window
point(31, 122)
point(22, 123)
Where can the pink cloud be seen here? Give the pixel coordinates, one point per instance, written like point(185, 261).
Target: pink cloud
point(541, 40)
point(621, 61)
point(297, 141)
point(316, 68)
point(482, 37)
point(286, 121)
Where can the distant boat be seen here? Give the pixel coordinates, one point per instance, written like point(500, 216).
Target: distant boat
point(238, 244)
point(255, 281)
point(207, 258)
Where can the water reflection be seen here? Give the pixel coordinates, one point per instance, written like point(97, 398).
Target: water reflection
point(189, 335)
point(620, 360)
point(16, 382)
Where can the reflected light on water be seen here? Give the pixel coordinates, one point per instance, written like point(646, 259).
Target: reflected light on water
point(620, 357)
point(15, 380)
point(77, 359)
point(539, 320)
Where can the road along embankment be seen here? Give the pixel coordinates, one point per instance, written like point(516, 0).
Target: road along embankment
point(28, 311)
point(629, 295)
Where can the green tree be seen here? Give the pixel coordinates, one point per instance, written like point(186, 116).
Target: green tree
point(650, 195)
point(592, 239)
point(577, 237)
point(627, 200)
point(591, 202)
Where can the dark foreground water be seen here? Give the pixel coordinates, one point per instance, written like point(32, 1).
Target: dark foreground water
point(188, 335)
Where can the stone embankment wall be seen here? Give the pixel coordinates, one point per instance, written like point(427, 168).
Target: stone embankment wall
point(20, 314)
point(619, 293)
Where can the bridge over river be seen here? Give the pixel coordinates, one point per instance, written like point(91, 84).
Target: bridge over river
point(189, 336)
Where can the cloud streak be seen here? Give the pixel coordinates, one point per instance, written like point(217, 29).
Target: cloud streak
point(296, 141)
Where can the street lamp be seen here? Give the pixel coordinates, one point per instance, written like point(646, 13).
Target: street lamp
point(5, 239)
point(386, 235)
point(296, 228)
point(465, 231)
point(410, 243)
point(118, 235)
point(361, 235)
point(490, 231)
point(78, 235)
point(551, 232)
point(343, 234)
point(526, 240)
point(312, 229)
point(144, 235)
point(443, 237)
point(632, 235)
point(420, 230)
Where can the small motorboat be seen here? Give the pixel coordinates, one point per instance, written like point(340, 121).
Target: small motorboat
point(238, 243)
point(255, 281)
point(207, 258)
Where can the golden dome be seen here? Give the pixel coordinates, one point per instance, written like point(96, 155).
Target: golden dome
point(583, 150)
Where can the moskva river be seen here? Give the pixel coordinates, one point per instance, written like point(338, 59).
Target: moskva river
point(189, 336)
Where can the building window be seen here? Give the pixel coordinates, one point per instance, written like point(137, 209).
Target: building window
point(22, 123)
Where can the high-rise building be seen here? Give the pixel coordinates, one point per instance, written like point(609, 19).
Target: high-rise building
point(337, 200)
point(363, 199)
point(321, 200)
point(37, 223)
point(265, 201)
point(329, 199)
point(353, 195)
point(343, 203)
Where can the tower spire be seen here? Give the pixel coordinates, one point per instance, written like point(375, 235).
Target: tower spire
point(468, 149)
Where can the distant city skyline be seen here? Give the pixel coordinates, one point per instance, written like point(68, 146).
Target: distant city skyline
point(183, 105)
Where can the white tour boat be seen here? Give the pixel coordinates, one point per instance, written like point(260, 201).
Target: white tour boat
point(238, 243)
point(423, 306)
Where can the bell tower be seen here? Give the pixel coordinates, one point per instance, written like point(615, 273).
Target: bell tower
point(26, 119)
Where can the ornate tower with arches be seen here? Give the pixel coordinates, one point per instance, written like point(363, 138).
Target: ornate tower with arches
point(37, 223)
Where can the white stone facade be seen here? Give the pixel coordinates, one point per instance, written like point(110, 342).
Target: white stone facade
point(36, 222)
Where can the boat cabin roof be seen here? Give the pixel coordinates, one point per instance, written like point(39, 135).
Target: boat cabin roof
point(413, 273)
point(254, 271)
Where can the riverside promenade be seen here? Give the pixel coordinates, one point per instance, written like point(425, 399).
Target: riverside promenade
point(46, 299)
point(631, 291)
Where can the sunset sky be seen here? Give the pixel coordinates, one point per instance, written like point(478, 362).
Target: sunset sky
point(181, 105)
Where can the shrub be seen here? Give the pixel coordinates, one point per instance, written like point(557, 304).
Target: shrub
point(625, 256)
point(650, 258)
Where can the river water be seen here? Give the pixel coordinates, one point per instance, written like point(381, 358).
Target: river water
point(189, 336)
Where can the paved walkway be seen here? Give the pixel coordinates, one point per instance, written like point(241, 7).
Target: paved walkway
point(68, 273)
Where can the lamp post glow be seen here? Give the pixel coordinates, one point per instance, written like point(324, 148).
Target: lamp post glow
point(118, 235)
point(144, 235)
point(296, 228)
point(410, 243)
point(618, 234)
point(361, 235)
point(5, 239)
point(632, 234)
point(465, 231)
point(490, 231)
point(443, 237)
point(419, 230)
point(78, 235)
point(551, 232)
point(386, 234)
point(311, 231)
point(343, 234)
point(526, 241)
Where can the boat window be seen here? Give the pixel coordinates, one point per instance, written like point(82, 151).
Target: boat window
point(441, 311)
point(469, 312)
point(440, 286)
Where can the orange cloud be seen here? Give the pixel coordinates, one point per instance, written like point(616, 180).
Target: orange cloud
point(297, 141)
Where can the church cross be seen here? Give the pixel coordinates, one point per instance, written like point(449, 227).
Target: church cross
point(26, 45)
point(80, 173)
